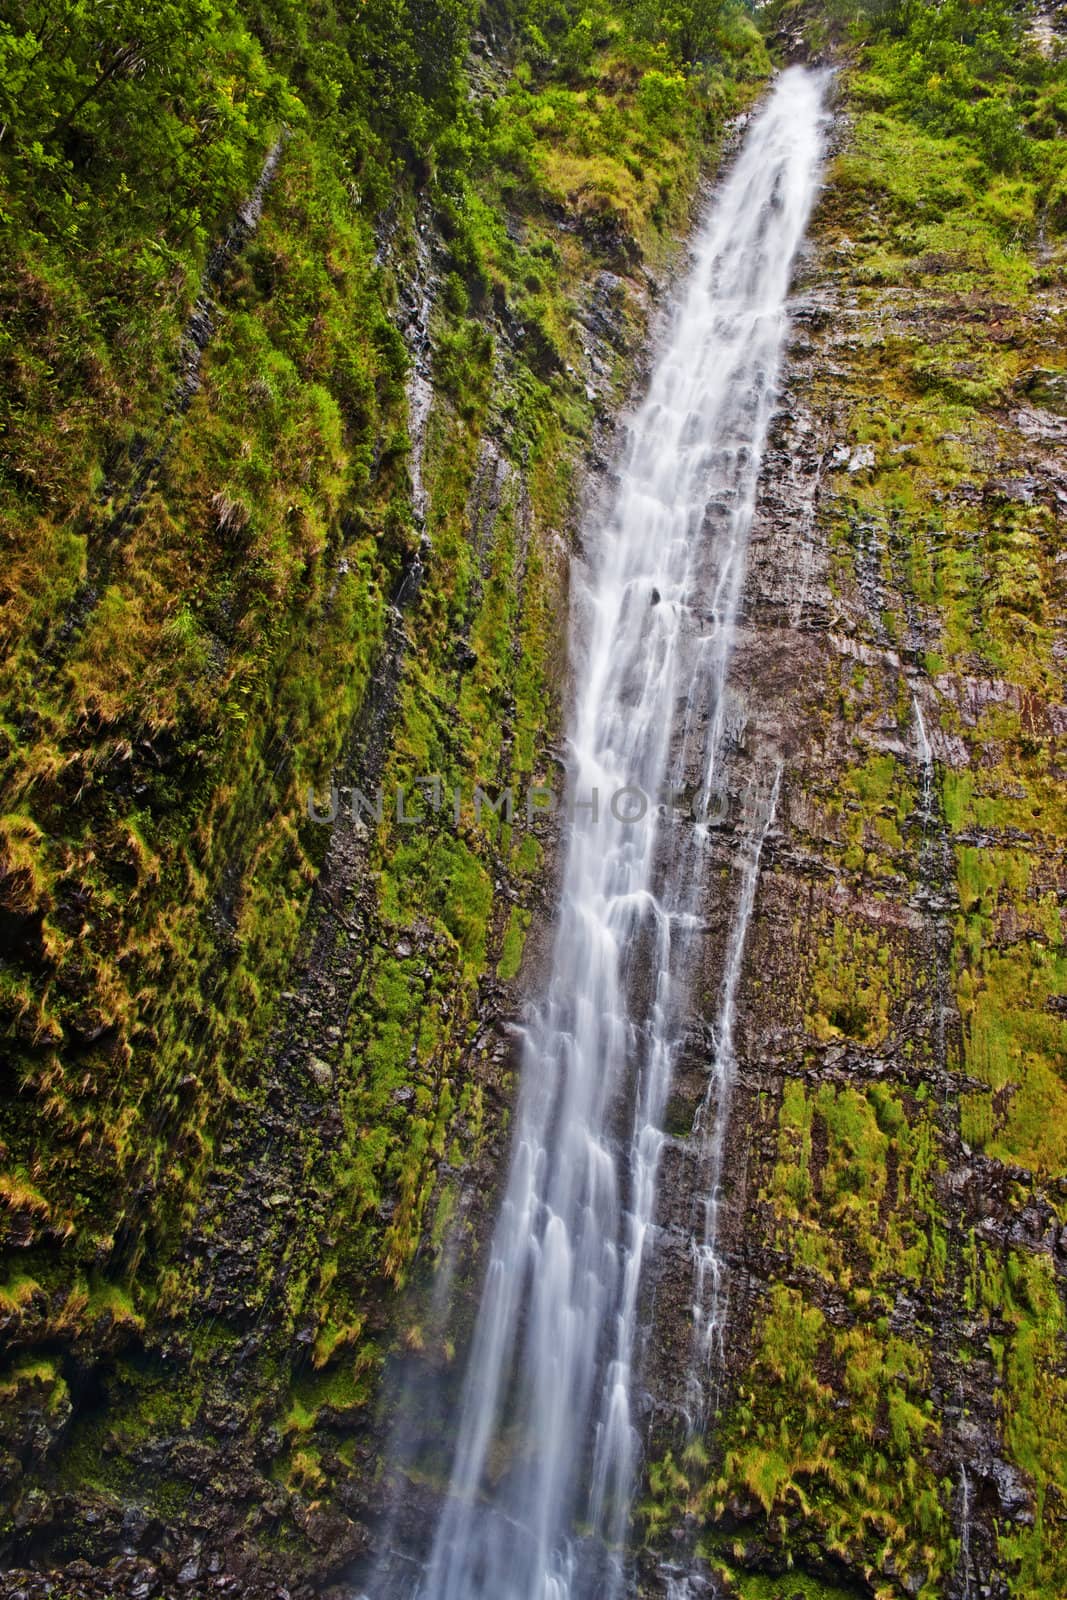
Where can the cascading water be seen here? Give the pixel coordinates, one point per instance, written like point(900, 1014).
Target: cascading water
point(545, 1459)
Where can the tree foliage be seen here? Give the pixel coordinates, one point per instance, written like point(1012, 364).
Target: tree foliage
point(179, 98)
point(961, 67)
point(689, 28)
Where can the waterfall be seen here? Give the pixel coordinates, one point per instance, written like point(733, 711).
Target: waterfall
point(546, 1450)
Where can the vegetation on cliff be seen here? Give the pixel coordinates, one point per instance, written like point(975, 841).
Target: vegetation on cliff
point(245, 1060)
point(884, 1434)
point(311, 313)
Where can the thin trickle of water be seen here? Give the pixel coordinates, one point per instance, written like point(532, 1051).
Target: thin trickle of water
point(420, 386)
point(931, 868)
point(926, 765)
point(965, 1532)
point(678, 1589)
point(710, 1298)
point(546, 1449)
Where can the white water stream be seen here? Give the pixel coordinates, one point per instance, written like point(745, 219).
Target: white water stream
point(546, 1452)
point(965, 1532)
point(710, 1301)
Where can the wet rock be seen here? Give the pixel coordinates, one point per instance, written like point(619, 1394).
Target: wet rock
point(1045, 388)
point(1013, 1491)
point(320, 1072)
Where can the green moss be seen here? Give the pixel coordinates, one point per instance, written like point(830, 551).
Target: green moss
point(30, 1372)
point(514, 944)
point(792, 1585)
point(1017, 1045)
point(1022, 1290)
point(866, 1212)
point(830, 1435)
point(857, 1474)
point(851, 985)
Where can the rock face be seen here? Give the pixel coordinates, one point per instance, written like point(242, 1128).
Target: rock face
point(262, 1065)
point(894, 1358)
point(260, 973)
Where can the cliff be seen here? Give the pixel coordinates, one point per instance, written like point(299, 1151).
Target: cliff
point(309, 342)
point(315, 335)
point(895, 1177)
